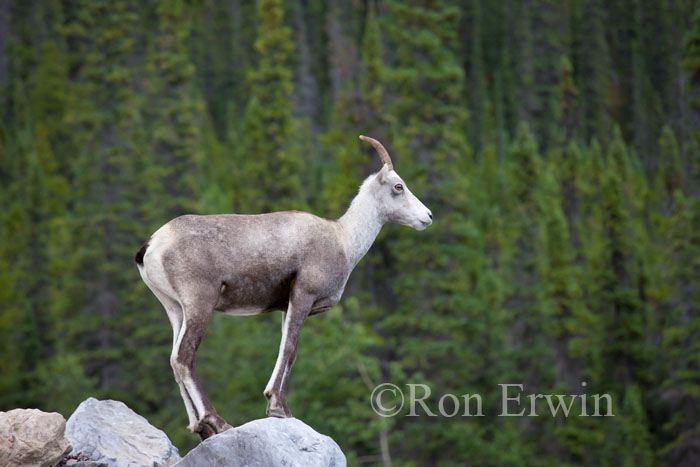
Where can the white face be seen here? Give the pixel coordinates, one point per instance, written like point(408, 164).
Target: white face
point(398, 204)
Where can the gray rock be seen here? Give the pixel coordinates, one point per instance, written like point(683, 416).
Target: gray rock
point(267, 442)
point(32, 437)
point(86, 464)
point(110, 433)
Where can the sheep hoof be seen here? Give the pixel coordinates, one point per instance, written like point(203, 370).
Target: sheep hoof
point(277, 412)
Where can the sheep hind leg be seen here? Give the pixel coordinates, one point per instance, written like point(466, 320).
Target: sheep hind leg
point(175, 316)
point(208, 422)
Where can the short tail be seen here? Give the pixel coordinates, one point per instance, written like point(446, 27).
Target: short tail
point(141, 253)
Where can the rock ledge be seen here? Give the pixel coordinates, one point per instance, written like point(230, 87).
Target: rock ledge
point(265, 442)
point(110, 433)
point(32, 437)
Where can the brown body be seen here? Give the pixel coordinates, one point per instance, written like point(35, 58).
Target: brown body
point(233, 254)
point(250, 264)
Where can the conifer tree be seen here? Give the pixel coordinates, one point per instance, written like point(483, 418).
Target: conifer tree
point(691, 61)
point(551, 38)
point(566, 109)
point(274, 179)
point(681, 242)
point(524, 60)
point(477, 91)
point(345, 165)
point(174, 116)
point(35, 192)
point(624, 282)
point(591, 63)
point(431, 153)
point(107, 196)
point(669, 173)
point(220, 46)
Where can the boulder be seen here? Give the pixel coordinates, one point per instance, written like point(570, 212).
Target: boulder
point(110, 433)
point(32, 437)
point(266, 442)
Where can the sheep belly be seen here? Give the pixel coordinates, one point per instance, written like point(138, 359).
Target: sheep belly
point(244, 311)
point(246, 296)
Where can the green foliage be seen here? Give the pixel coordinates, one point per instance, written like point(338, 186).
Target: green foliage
point(592, 55)
point(691, 61)
point(556, 143)
point(274, 172)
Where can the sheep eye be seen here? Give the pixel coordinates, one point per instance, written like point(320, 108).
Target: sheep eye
point(398, 188)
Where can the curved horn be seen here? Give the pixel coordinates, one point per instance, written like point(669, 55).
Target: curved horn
point(383, 154)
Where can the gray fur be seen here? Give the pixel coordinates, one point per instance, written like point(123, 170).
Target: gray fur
point(290, 261)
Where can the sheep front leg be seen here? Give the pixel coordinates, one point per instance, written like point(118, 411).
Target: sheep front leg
point(285, 380)
point(275, 391)
point(285, 377)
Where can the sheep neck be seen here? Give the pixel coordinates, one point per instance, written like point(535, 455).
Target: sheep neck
point(360, 226)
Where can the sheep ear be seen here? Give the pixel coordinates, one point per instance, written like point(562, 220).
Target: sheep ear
point(384, 174)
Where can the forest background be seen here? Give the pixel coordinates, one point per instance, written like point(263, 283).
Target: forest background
point(556, 142)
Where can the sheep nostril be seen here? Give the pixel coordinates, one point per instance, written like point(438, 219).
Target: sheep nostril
point(430, 214)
